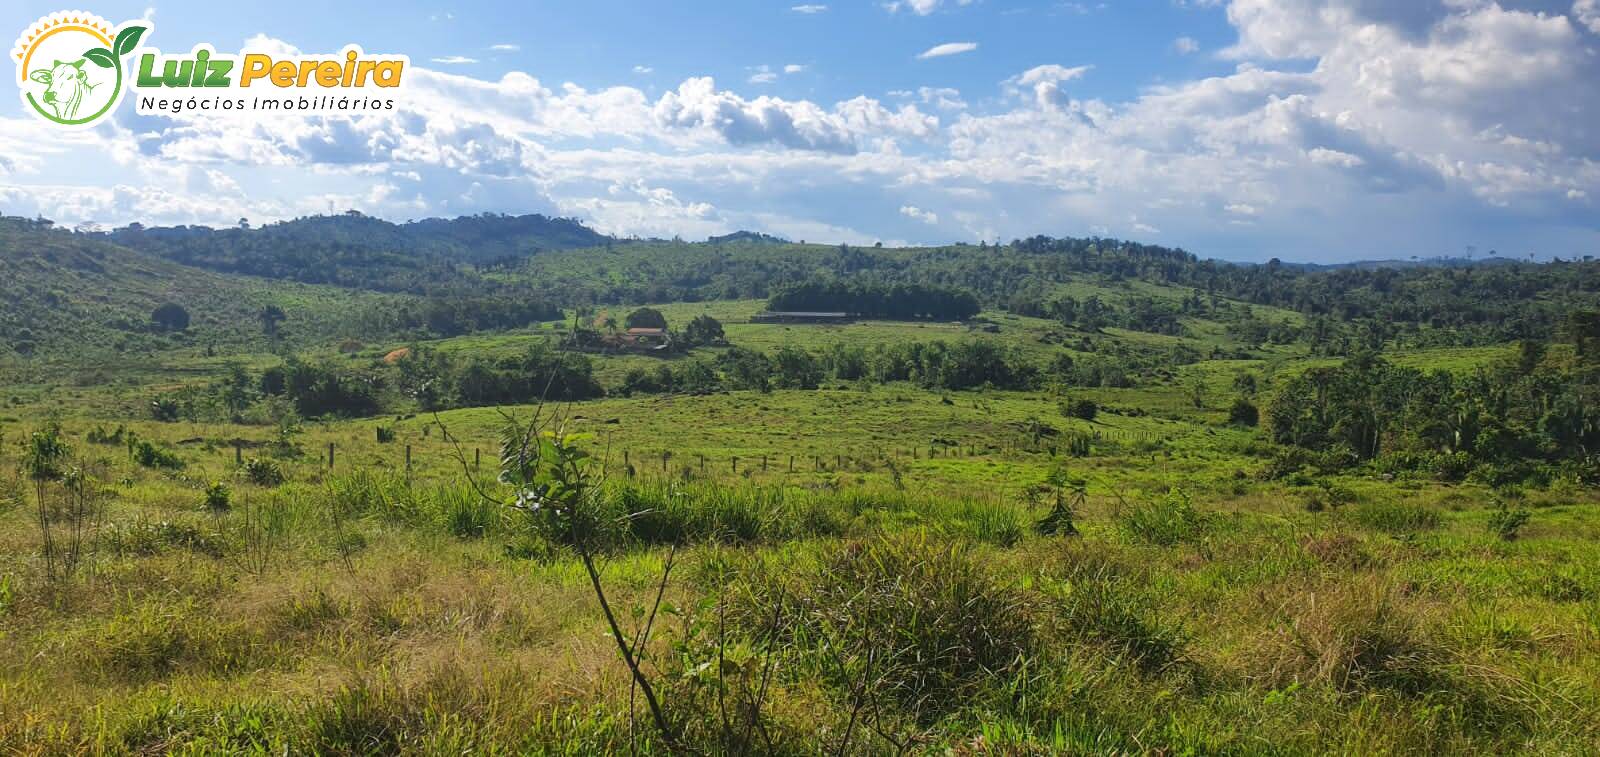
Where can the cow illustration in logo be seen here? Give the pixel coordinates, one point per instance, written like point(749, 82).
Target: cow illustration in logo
point(69, 66)
point(67, 84)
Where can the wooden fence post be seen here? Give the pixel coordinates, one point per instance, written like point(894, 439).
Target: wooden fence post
point(736, 465)
point(238, 453)
point(330, 455)
point(408, 463)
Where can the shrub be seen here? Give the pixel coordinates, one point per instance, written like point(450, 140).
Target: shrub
point(262, 472)
point(1452, 466)
point(1506, 522)
point(645, 318)
point(217, 497)
point(99, 435)
point(1079, 444)
point(150, 456)
point(165, 409)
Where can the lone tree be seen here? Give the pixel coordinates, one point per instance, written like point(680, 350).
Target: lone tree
point(170, 317)
point(704, 330)
point(1084, 409)
point(1244, 413)
point(646, 318)
point(271, 316)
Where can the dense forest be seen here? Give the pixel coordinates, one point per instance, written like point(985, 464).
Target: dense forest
point(434, 255)
point(906, 302)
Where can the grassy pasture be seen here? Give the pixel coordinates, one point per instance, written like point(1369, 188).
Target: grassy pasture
point(369, 609)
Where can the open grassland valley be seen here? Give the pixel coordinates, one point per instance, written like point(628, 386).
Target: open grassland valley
point(504, 485)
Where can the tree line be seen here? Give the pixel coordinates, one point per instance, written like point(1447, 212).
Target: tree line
point(1527, 416)
point(903, 302)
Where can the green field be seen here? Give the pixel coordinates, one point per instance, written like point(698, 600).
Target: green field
point(869, 566)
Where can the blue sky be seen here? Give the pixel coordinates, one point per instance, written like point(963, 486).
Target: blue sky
point(1243, 129)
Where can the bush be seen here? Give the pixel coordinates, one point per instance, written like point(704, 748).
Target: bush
point(645, 318)
point(150, 456)
point(164, 409)
point(1452, 467)
point(1506, 522)
point(262, 472)
point(217, 497)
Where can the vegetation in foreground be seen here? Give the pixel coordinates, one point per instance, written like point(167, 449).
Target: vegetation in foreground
point(1113, 513)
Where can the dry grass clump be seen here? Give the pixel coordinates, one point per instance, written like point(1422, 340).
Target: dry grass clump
point(1363, 637)
point(1353, 635)
point(1336, 550)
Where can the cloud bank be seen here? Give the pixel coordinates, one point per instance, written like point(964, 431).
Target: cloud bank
point(1346, 129)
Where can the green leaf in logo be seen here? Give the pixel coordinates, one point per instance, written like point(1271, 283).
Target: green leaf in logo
point(100, 57)
point(128, 38)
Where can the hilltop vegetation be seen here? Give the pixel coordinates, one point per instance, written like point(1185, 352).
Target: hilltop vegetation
point(430, 256)
point(74, 298)
point(351, 487)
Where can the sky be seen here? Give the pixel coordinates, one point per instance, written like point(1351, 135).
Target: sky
point(1306, 130)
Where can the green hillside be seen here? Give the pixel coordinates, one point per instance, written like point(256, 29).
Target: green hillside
point(1054, 497)
point(74, 299)
point(430, 256)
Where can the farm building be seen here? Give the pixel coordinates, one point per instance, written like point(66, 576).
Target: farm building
point(799, 316)
point(642, 338)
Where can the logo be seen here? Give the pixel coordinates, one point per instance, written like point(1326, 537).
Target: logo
point(73, 68)
point(70, 66)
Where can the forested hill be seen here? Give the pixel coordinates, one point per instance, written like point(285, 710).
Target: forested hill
point(69, 294)
point(494, 270)
point(1063, 278)
point(358, 251)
